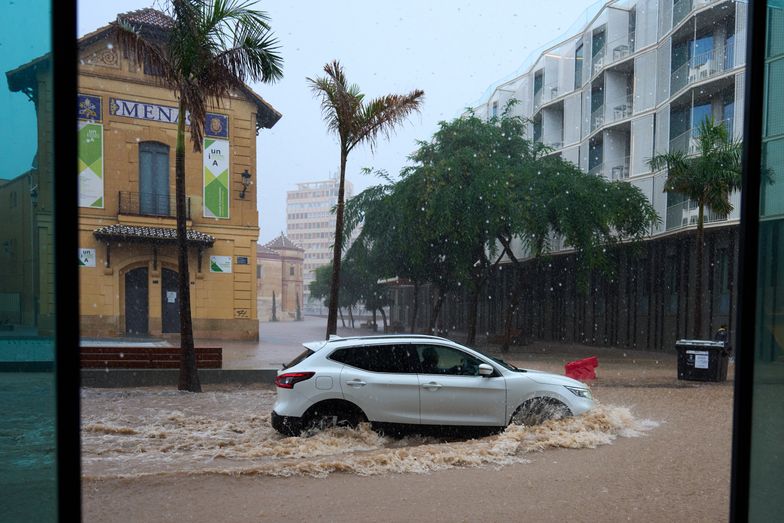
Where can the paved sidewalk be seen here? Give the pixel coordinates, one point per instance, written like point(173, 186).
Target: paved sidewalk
point(279, 343)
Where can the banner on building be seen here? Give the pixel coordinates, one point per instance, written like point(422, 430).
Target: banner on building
point(90, 136)
point(220, 263)
point(86, 257)
point(216, 178)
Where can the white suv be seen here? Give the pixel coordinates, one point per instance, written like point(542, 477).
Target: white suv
point(415, 380)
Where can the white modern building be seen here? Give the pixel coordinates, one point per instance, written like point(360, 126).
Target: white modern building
point(631, 79)
point(310, 223)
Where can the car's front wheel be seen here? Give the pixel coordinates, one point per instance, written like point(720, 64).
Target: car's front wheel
point(538, 410)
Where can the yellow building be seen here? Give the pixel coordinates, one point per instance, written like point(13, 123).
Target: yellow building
point(279, 270)
point(127, 254)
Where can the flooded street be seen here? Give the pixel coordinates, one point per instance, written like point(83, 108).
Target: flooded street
point(162, 432)
point(652, 444)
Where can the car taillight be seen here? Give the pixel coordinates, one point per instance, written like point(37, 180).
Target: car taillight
point(288, 380)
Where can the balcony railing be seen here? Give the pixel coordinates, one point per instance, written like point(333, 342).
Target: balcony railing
point(621, 108)
point(598, 59)
point(554, 144)
point(150, 204)
point(597, 117)
point(621, 170)
point(703, 66)
point(681, 8)
point(597, 170)
point(687, 213)
point(688, 142)
point(537, 99)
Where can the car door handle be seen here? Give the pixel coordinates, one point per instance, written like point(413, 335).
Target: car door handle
point(431, 385)
point(356, 383)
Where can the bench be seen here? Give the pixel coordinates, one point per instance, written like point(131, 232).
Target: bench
point(146, 357)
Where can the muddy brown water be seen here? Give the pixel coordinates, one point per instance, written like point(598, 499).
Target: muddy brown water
point(655, 449)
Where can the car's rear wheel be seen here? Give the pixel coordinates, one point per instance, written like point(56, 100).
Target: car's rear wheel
point(538, 410)
point(332, 414)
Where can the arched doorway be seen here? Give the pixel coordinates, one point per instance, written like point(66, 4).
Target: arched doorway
point(137, 311)
point(170, 302)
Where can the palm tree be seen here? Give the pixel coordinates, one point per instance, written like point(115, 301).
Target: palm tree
point(707, 179)
point(209, 50)
point(347, 114)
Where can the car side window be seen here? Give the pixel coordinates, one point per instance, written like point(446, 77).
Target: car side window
point(437, 359)
point(379, 358)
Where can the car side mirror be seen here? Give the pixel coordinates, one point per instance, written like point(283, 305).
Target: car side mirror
point(485, 369)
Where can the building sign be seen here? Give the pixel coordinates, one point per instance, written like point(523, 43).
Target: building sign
point(216, 178)
point(90, 156)
point(145, 111)
point(216, 125)
point(220, 264)
point(86, 257)
point(242, 260)
point(89, 108)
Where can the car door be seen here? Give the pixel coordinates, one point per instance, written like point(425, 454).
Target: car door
point(382, 381)
point(452, 392)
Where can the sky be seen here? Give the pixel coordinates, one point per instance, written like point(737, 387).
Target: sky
point(452, 49)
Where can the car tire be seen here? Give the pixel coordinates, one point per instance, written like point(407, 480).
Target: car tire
point(327, 415)
point(538, 410)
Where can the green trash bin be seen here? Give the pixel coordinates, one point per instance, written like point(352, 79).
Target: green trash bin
point(702, 360)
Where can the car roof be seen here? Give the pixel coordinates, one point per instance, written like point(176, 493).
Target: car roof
point(355, 341)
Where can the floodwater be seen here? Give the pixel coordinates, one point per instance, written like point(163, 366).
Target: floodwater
point(147, 432)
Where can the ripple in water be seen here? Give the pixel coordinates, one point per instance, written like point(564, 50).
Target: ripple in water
point(151, 433)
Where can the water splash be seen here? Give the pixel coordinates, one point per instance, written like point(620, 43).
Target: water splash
point(230, 433)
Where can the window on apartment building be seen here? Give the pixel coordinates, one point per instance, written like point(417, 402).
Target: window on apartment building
point(578, 66)
point(291, 271)
point(495, 110)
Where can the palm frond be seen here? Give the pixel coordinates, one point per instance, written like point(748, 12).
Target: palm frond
point(381, 115)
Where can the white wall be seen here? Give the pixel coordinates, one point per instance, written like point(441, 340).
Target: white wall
point(642, 144)
point(644, 82)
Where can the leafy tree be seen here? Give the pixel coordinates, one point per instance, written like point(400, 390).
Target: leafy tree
point(211, 48)
point(355, 121)
point(706, 178)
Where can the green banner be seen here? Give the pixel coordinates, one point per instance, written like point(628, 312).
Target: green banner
point(216, 178)
point(90, 165)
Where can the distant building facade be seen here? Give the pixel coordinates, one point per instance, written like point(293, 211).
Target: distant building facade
point(127, 129)
point(279, 270)
point(311, 224)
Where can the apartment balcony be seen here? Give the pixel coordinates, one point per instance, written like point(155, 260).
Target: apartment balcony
point(150, 204)
point(554, 144)
point(620, 171)
point(538, 99)
point(621, 108)
point(597, 170)
point(598, 60)
point(597, 118)
point(681, 8)
point(687, 213)
point(549, 92)
point(688, 142)
point(702, 67)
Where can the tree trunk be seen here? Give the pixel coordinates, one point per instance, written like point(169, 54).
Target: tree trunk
point(375, 328)
point(332, 318)
point(383, 317)
point(351, 316)
point(189, 376)
point(342, 319)
point(436, 310)
point(416, 308)
point(698, 297)
point(473, 306)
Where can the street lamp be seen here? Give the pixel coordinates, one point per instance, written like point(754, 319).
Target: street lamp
point(245, 182)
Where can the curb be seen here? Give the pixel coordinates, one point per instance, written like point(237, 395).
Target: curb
point(117, 378)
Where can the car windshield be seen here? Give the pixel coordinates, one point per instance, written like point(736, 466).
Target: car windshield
point(501, 362)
